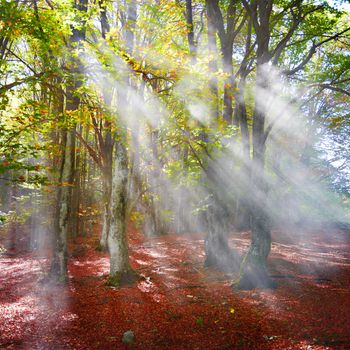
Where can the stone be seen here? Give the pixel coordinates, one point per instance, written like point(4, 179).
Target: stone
point(128, 337)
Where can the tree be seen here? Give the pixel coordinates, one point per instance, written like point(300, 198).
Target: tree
point(268, 53)
point(58, 269)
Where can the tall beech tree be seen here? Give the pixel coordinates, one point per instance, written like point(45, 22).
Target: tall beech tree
point(66, 178)
point(120, 269)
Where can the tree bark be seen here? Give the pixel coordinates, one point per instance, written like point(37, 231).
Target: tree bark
point(212, 50)
point(120, 270)
point(217, 250)
point(190, 31)
point(58, 270)
point(253, 272)
point(107, 186)
point(218, 254)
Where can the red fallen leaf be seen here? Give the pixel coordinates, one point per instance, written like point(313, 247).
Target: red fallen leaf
point(88, 315)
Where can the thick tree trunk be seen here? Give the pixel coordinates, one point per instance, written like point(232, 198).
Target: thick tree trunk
point(253, 271)
point(218, 254)
point(120, 270)
point(254, 266)
point(217, 249)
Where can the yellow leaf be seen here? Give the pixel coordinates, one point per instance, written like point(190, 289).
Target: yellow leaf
point(232, 310)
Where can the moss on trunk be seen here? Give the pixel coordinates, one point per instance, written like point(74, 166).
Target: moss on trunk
point(253, 270)
point(122, 278)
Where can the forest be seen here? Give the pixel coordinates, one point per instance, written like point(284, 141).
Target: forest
point(174, 174)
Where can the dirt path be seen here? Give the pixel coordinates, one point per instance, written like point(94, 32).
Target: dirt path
point(178, 304)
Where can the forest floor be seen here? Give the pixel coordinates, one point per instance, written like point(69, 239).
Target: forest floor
point(179, 304)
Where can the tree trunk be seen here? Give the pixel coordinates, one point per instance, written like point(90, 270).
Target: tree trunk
point(227, 112)
point(254, 265)
point(217, 251)
point(120, 270)
point(58, 269)
point(75, 197)
point(12, 229)
point(183, 209)
point(190, 32)
point(153, 223)
point(106, 212)
point(242, 212)
point(212, 65)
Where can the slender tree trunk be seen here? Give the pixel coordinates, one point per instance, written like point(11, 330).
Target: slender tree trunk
point(107, 147)
point(107, 150)
point(227, 112)
point(153, 225)
point(76, 194)
point(107, 156)
point(183, 200)
point(242, 118)
point(12, 230)
point(58, 269)
point(83, 189)
point(213, 52)
point(107, 186)
point(242, 212)
point(190, 32)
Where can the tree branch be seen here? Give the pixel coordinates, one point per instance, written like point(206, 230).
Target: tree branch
point(32, 78)
point(94, 155)
point(312, 51)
